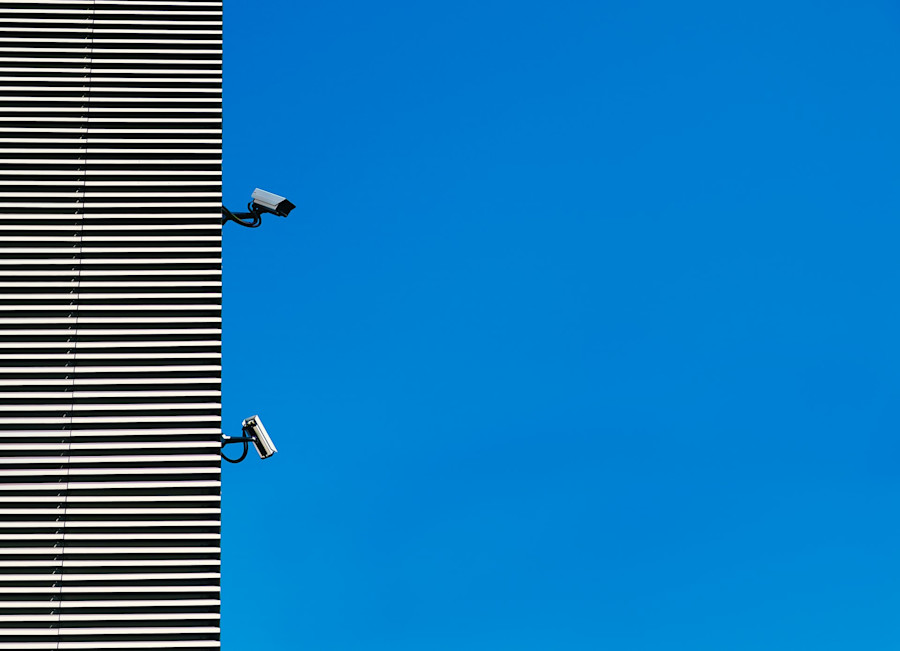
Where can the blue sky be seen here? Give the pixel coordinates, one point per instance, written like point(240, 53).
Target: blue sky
point(584, 334)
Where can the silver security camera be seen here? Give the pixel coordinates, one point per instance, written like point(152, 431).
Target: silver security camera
point(253, 427)
point(270, 202)
point(255, 433)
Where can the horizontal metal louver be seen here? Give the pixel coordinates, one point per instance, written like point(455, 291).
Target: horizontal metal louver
point(110, 316)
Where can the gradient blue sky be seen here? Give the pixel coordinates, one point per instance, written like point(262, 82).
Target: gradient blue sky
point(585, 333)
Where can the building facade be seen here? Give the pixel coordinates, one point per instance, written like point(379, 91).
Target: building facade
point(110, 308)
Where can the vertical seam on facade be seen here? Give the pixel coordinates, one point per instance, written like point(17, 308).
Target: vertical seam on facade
point(77, 297)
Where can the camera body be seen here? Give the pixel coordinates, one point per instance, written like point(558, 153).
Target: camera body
point(263, 201)
point(254, 428)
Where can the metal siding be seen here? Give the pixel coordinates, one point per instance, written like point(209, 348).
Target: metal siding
point(110, 316)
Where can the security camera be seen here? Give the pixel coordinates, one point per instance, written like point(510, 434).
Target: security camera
point(261, 202)
point(270, 202)
point(254, 428)
point(254, 433)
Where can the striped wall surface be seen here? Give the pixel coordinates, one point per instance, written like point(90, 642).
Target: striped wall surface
point(110, 305)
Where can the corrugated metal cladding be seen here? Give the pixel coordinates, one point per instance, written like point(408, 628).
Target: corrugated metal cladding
point(110, 252)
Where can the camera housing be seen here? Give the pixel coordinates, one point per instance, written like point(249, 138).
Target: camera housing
point(261, 202)
point(270, 202)
point(254, 428)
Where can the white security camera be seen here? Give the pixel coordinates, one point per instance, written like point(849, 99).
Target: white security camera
point(270, 202)
point(261, 202)
point(253, 428)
